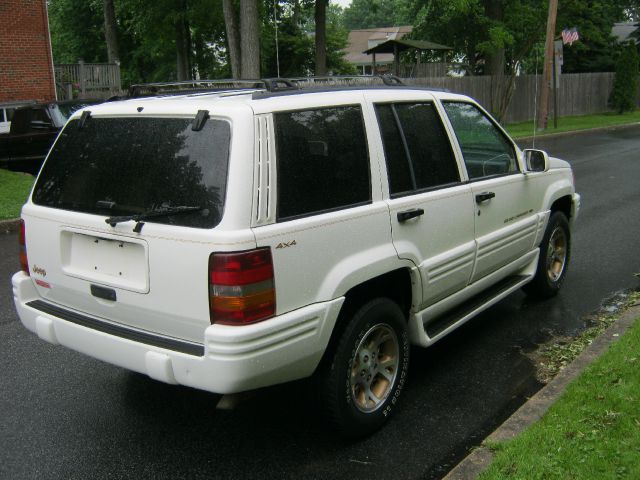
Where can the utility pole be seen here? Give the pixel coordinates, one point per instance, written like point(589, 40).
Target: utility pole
point(548, 66)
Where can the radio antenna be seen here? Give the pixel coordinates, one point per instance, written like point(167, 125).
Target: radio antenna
point(535, 101)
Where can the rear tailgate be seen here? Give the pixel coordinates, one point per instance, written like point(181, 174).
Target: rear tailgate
point(158, 279)
point(147, 268)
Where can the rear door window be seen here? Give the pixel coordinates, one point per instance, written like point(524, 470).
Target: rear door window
point(124, 166)
point(416, 147)
point(322, 161)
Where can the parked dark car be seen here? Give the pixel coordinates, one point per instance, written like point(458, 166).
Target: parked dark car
point(33, 130)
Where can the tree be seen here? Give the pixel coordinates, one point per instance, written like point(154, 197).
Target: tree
point(183, 42)
point(490, 37)
point(296, 25)
point(594, 52)
point(158, 40)
point(625, 84)
point(233, 36)
point(110, 32)
point(249, 39)
point(76, 31)
point(379, 13)
point(321, 37)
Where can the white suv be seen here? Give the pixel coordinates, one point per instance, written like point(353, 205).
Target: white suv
point(236, 239)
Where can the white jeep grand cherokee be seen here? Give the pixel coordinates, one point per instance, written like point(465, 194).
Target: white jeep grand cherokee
point(230, 240)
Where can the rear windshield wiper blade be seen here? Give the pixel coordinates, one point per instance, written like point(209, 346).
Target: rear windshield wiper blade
point(156, 212)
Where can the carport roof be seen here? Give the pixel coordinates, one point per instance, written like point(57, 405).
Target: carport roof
point(390, 46)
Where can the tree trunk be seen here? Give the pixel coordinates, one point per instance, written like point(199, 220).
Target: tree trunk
point(233, 36)
point(249, 40)
point(297, 13)
point(495, 67)
point(110, 32)
point(321, 37)
point(495, 61)
point(182, 48)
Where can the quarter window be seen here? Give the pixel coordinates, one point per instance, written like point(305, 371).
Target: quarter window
point(322, 161)
point(485, 149)
point(416, 147)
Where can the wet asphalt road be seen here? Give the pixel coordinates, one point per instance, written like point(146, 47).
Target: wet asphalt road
point(63, 415)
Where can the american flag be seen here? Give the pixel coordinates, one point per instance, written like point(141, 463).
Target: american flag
point(570, 36)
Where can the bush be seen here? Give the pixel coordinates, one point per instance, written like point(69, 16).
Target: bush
point(625, 84)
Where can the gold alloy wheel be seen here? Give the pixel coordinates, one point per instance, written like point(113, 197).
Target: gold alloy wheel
point(374, 368)
point(556, 254)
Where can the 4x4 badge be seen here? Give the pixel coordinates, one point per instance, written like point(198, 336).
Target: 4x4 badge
point(39, 271)
point(286, 244)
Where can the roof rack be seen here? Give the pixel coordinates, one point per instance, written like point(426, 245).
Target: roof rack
point(187, 87)
point(192, 86)
point(343, 80)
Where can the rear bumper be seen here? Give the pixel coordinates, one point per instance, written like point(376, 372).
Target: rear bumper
point(230, 359)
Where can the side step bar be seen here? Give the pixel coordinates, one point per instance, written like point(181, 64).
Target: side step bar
point(440, 326)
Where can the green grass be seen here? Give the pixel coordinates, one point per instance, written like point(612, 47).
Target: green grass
point(14, 190)
point(565, 124)
point(593, 431)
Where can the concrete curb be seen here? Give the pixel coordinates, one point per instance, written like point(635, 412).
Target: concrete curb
point(9, 226)
point(544, 136)
point(529, 413)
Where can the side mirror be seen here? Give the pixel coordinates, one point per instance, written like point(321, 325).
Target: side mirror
point(535, 160)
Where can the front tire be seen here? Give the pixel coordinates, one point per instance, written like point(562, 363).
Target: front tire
point(555, 251)
point(366, 369)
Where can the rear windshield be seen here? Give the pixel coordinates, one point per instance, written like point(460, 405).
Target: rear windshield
point(123, 166)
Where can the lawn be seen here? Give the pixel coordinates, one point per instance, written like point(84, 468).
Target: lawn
point(583, 122)
point(14, 190)
point(593, 431)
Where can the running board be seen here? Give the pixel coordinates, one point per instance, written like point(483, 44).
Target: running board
point(442, 325)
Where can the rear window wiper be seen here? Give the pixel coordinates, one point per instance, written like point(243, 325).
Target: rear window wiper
point(155, 212)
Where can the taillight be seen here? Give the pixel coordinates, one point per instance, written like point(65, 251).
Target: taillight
point(241, 287)
point(24, 262)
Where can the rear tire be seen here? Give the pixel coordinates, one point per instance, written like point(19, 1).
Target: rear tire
point(366, 369)
point(555, 250)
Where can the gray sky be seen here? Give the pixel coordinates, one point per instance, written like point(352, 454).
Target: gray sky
point(342, 3)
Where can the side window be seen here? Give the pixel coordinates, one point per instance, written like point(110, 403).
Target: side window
point(416, 147)
point(40, 120)
point(485, 149)
point(322, 161)
point(1, 114)
point(10, 113)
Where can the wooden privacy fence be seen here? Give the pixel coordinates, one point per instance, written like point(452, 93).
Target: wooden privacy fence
point(87, 80)
point(421, 70)
point(578, 93)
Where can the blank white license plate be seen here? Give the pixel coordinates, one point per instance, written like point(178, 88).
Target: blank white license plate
point(108, 261)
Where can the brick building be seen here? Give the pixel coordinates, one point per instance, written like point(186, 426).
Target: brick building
point(26, 64)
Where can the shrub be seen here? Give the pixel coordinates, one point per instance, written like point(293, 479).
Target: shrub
point(625, 84)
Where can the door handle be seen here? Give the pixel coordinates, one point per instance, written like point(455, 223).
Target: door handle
point(409, 214)
point(484, 196)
